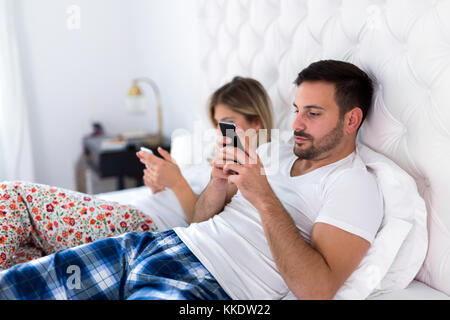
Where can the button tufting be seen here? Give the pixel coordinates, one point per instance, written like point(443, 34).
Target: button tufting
point(405, 48)
point(377, 34)
point(404, 130)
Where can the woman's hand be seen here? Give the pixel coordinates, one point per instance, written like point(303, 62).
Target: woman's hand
point(218, 177)
point(160, 173)
point(149, 183)
point(165, 173)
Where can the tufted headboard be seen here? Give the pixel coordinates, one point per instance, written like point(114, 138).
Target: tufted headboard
point(403, 44)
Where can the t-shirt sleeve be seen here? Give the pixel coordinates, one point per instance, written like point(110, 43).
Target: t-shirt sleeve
point(353, 203)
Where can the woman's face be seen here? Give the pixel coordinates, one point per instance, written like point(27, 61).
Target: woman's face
point(223, 113)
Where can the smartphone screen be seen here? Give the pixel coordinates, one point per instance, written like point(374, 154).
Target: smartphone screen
point(229, 129)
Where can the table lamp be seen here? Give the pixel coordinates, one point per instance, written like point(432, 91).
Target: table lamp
point(135, 103)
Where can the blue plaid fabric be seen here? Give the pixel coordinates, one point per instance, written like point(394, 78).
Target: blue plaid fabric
point(131, 266)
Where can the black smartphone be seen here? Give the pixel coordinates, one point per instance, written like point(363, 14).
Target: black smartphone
point(228, 129)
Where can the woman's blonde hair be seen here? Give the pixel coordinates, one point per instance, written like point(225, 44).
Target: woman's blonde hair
point(245, 96)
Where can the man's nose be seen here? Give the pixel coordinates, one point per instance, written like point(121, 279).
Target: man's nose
point(299, 123)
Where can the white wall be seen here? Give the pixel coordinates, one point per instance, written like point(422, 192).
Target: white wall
point(166, 45)
point(75, 77)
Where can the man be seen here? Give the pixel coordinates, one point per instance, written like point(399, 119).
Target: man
point(303, 230)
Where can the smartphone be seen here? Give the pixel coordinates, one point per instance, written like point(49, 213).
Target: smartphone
point(228, 129)
point(146, 150)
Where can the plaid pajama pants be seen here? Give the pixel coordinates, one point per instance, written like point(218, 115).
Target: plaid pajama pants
point(132, 266)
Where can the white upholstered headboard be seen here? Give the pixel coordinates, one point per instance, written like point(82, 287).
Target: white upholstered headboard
point(403, 44)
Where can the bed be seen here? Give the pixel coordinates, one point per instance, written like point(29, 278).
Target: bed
point(403, 45)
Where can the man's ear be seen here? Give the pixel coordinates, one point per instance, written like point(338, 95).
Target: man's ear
point(352, 120)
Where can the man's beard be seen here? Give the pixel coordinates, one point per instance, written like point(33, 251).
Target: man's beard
point(323, 145)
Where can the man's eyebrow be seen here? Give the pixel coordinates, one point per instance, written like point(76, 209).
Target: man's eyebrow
point(310, 107)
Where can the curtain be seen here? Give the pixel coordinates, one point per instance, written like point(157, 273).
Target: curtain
point(16, 161)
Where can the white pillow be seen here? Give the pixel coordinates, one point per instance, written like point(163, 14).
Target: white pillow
point(400, 246)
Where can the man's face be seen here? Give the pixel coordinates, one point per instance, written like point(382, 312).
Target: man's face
point(318, 128)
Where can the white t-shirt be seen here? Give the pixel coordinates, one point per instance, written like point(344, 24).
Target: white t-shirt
point(233, 247)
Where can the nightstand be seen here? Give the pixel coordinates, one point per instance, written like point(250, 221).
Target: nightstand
point(118, 163)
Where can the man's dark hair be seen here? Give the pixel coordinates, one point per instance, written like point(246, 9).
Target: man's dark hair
point(353, 87)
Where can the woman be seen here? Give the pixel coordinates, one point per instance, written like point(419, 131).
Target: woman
point(243, 101)
point(37, 220)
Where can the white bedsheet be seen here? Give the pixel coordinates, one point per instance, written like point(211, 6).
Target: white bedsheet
point(163, 207)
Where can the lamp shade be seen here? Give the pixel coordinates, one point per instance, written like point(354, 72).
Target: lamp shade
point(135, 104)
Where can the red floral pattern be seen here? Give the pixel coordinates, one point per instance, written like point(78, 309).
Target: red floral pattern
point(37, 219)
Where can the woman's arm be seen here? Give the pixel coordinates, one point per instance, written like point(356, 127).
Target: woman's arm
point(186, 197)
point(161, 173)
point(219, 192)
point(212, 201)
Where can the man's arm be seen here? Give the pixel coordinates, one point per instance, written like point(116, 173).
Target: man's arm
point(315, 271)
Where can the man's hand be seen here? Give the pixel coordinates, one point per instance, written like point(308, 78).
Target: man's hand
point(248, 173)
